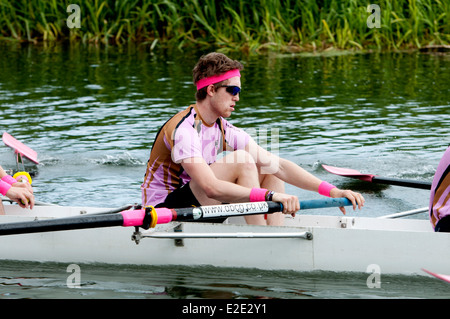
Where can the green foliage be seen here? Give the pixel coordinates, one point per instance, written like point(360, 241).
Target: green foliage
point(232, 25)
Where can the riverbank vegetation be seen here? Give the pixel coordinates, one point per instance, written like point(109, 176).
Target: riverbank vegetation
point(232, 25)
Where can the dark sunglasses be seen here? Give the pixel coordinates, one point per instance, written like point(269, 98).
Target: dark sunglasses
point(232, 89)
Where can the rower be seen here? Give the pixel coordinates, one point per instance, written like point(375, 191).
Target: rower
point(440, 195)
point(185, 168)
point(18, 187)
point(18, 191)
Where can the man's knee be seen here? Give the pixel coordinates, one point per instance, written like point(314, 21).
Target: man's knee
point(235, 165)
point(245, 162)
point(272, 182)
point(239, 157)
point(240, 160)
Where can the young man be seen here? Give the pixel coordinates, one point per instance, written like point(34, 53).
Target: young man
point(440, 195)
point(184, 169)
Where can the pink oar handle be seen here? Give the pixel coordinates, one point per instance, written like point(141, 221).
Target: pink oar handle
point(133, 217)
point(136, 217)
point(165, 215)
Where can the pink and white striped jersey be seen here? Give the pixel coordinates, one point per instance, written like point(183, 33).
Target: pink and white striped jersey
point(440, 190)
point(185, 136)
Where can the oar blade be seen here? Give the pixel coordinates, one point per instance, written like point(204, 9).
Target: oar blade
point(445, 278)
point(20, 148)
point(348, 172)
point(352, 173)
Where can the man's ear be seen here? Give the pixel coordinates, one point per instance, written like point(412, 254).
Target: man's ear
point(210, 90)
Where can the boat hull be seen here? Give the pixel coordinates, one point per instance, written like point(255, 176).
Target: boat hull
point(341, 244)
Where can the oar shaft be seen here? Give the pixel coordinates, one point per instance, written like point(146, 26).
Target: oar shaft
point(242, 209)
point(217, 211)
point(325, 202)
point(402, 182)
point(58, 224)
point(148, 217)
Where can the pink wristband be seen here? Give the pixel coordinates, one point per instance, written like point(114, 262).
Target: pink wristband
point(258, 195)
point(4, 187)
point(325, 188)
point(9, 179)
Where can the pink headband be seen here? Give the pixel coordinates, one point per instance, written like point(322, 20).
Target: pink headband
point(217, 78)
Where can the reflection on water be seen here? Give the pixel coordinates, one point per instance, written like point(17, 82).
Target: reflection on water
point(88, 98)
point(49, 280)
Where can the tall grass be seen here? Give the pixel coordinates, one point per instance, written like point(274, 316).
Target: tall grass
point(245, 25)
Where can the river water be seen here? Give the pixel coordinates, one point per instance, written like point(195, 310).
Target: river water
point(92, 113)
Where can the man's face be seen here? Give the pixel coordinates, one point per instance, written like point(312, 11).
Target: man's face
point(223, 101)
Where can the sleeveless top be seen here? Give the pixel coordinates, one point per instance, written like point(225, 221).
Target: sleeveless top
point(440, 190)
point(184, 136)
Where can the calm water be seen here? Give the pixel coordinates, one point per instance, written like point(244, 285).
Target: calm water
point(38, 280)
point(92, 114)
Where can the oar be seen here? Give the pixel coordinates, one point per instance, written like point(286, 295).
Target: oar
point(348, 172)
point(20, 149)
point(150, 217)
point(445, 278)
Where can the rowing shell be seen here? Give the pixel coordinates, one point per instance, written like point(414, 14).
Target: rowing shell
point(306, 243)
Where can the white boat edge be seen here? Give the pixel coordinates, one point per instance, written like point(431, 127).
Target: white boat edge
point(305, 243)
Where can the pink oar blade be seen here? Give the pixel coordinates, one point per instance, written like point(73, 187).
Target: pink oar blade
point(348, 172)
point(445, 278)
point(20, 148)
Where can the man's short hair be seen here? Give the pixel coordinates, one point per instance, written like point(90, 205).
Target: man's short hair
point(212, 64)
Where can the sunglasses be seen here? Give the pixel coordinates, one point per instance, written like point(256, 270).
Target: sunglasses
point(232, 89)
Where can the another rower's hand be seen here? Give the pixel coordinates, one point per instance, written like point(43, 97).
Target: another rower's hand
point(22, 196)
point(290, 203)
point(356, 198)
point(25, 185)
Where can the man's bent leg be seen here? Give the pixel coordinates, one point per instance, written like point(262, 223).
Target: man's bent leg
point(237, 167)
point(273, 183)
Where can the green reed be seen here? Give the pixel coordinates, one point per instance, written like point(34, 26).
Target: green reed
point(230, 25)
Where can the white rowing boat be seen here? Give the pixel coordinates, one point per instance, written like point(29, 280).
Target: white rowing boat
point(306, 243)
point(390, 245)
